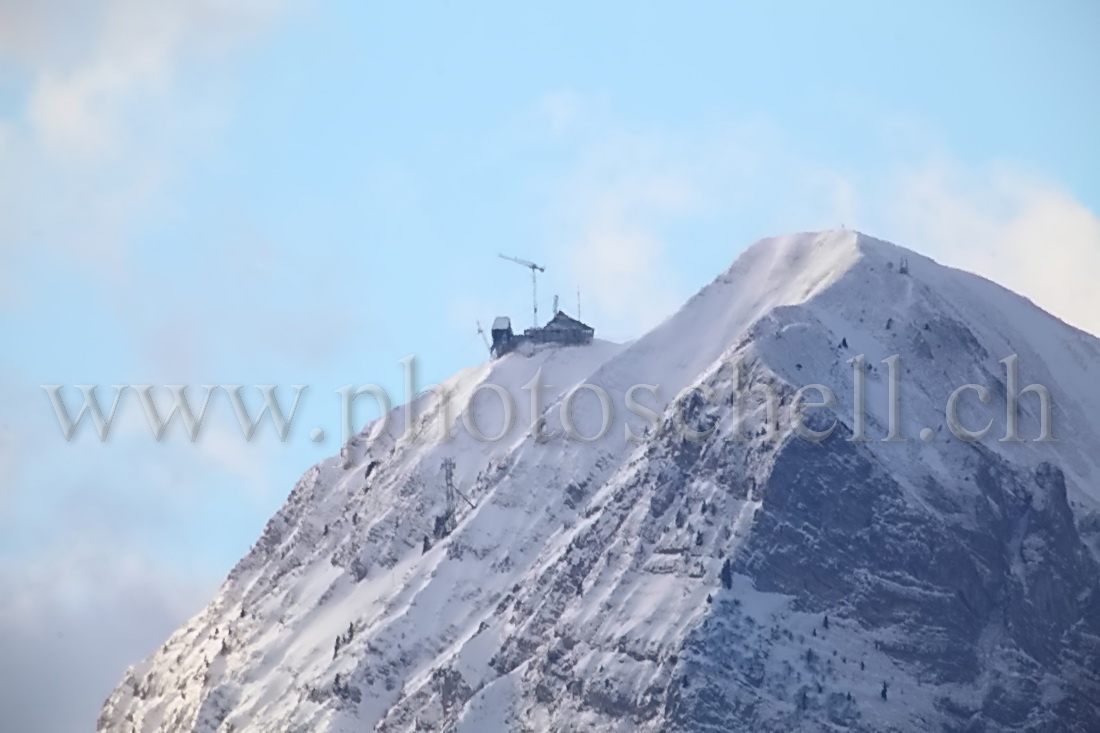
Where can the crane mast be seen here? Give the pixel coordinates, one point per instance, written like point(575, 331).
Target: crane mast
point(535, 269)
point(484, 338)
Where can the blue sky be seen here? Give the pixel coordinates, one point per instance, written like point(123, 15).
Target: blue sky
point(306, 192)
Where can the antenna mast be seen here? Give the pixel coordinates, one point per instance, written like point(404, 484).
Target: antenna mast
point(534, 281)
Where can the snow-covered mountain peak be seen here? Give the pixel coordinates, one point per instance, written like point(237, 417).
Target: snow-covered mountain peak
point(751, 579)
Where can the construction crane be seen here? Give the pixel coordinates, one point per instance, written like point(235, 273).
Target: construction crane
point(535, 269)
point(484, 337)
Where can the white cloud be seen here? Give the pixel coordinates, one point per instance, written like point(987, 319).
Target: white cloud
point(609, 224)
point(89, 61)
point(99, 130)
point(561, 110)
point(619, 259)
point(70, 623)
point(11, 467)
point(228, 451)
point(628, 213)
point(108, 546)
point(626, 190)
point(48, 32)
point(1025, 233)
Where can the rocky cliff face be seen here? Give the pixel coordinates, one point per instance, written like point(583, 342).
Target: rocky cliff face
point(748, 580)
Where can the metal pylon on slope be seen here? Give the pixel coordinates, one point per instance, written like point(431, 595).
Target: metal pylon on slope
point(446, 522)
point(449, 479)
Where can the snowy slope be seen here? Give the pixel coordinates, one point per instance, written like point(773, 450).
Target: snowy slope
point(679, 585)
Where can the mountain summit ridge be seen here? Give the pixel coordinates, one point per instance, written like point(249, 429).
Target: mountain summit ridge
point(744, 581)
